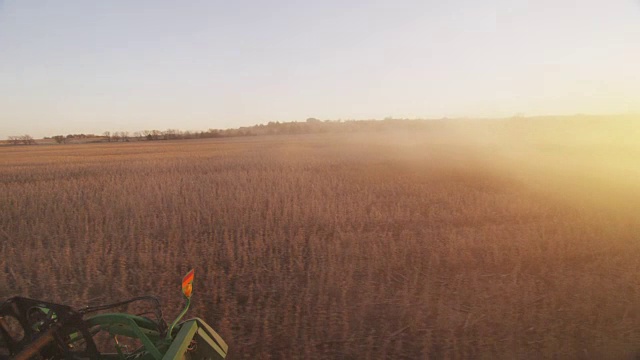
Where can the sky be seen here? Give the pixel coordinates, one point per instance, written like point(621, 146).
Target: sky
point(77, 66)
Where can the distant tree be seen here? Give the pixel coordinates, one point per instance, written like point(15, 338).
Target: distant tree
point(27, 139)
point(169, 134)
point(172, 134)
point(213, 133)
point(115, 136)
point(14, 140)
point(60, 139)
point(107, 135)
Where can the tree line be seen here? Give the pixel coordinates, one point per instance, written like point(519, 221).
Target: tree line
point(311, 125)
point(21, 140)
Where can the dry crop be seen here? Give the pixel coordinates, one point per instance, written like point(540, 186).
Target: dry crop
point(342, 246)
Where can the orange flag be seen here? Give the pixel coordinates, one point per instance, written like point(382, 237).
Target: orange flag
point(187, 284)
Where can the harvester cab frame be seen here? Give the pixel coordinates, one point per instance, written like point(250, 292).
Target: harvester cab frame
point(34, 329)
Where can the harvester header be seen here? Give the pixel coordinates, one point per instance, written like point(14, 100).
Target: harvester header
point(35, 329)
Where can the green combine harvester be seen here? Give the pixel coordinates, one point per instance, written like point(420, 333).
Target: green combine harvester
point(33, 329)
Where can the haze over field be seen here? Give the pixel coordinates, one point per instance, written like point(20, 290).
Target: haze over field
point(90, 66)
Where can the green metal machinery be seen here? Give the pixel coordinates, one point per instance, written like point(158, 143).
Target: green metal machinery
point(33, 329)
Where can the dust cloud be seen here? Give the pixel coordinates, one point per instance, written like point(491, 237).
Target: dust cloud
point(586, 161)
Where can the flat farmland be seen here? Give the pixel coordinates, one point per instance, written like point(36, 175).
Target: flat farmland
point(466, 242)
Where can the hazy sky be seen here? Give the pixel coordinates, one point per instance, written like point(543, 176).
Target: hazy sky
point(80, 66)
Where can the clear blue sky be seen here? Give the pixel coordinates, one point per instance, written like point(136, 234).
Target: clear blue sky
point(80, 66)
